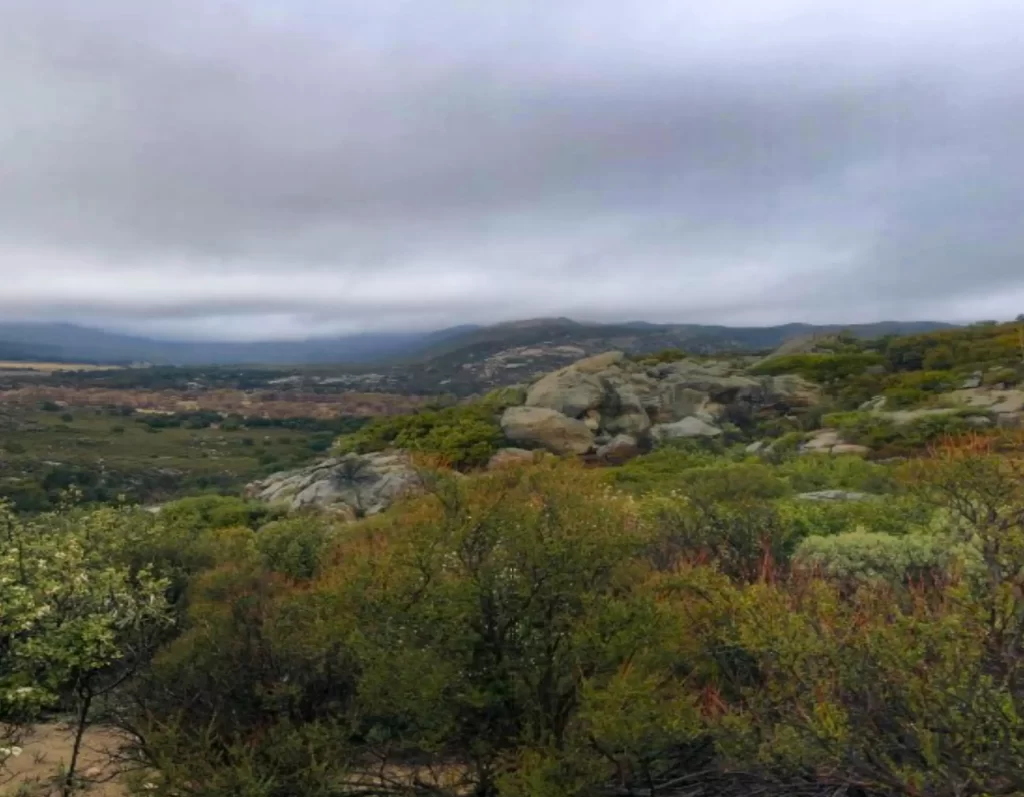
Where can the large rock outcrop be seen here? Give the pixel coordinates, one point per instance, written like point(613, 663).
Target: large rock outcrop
point(355, 485)
point(687, 427)
point(510, 457)
point(619, 449)
point(547, 428)
point(609, 395)
point(830, 441)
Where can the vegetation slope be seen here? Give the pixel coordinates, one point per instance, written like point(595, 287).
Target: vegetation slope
point(690, 623)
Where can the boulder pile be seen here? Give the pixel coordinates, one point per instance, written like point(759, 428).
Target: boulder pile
point(615, 408)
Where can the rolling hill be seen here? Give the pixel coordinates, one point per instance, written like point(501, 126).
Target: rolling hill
point(71, 343)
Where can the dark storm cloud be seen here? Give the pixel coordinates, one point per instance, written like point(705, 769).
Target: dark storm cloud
point(213, 168)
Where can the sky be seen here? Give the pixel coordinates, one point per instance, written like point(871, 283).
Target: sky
point(289, 168)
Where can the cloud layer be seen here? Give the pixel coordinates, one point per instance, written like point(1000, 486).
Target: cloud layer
point(263, 168)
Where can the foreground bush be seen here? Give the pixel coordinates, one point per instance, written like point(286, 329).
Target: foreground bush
point(493, 638)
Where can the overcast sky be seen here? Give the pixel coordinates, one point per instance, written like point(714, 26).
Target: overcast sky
point(283, 168)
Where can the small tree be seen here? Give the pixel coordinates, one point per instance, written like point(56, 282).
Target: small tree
point(76, 619)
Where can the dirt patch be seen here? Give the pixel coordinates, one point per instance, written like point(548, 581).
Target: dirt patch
point(45, 753)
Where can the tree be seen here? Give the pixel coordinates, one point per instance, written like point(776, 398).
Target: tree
point(76, 618)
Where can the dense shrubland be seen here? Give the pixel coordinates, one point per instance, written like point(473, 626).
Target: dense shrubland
point(686, 624)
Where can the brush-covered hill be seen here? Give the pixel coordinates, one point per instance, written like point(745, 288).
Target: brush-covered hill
point(482, 359)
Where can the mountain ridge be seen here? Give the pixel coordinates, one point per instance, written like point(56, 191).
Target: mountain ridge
point(74, 343)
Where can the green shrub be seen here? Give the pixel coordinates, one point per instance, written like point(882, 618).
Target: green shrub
point(788, 442)
point(895, 515)
point(903, 397)
point(217, 511)
point(739, 538)
point(503, 397)
point(927, 381)
point(320, 443)
point(822, 368)
point(660, 469)
point(965, 348)
point(1009, 376)
point(809, 473)
point(294, 546)
point(859, 556)
point(663, 356)
point(892, 439)
point(464, 437)
point(908, 389)
point(728, 481)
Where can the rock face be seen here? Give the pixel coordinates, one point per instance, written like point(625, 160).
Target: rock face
point(836, 495)
point(547, 428)
point(1008, 403)
point(570, 391)
point(355, 485)
point(687, 427)
point(828, 441)
point(850, 448)
point(509, 456)
point(822, 441)
point(611, 396)
point(619, 449)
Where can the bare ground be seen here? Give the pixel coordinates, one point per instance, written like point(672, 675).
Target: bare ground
point(45, 753)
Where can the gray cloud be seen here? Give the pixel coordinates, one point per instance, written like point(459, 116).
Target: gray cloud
point(250, 168)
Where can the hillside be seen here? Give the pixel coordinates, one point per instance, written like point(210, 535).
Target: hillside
point(505, 354)
point(640, 536)
point(638, 337)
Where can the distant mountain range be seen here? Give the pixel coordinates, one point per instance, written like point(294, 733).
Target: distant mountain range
point(71, 343)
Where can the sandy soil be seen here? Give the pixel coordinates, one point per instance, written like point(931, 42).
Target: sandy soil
point(47, 750)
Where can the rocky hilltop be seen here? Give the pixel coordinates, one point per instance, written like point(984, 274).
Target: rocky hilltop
point(606, 408)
